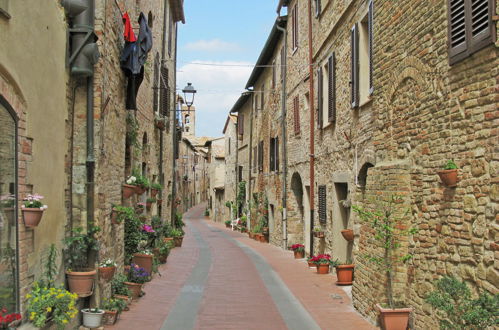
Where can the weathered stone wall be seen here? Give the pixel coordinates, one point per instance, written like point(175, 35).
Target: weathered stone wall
point(231, 179)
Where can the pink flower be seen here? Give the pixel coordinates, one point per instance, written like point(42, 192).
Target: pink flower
point(147, 229)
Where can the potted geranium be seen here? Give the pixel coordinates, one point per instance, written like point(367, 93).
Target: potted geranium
point(112, 308)
point(388, 233)
point(129, 187)
point(299, 250)
point(32, 210)
point(120, 289)
point(9, 321)
point(137, 276)
point(144, 259)
point(107, 268)
point(344, 272)
point(155, 189)
point(311, 263)
point(449, 174)
point(322, 261)
point(46, 304)
point(92, 317)
point(76, 250)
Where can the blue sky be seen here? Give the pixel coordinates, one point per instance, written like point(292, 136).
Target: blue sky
point(220, 32)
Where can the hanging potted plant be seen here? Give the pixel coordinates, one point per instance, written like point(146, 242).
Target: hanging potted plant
point(322, 261)
point(112, 308)
point(107, 268)
point(141, 183)
point(388, 234)
point(32, 210)
point(7, 205)
point(136, 276)
point(155, 189)
point(347, 234)
point(149, 202)
point(344, 272)
point(120, 290)
point(298, 250)
point(318, 232)
point(160, 122)
point(76, 249)
point(144, 259)
point(449, 174)
point(120, 214)
point(129, 187)
point(92, 317)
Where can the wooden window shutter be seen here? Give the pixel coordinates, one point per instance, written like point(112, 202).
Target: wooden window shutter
point(318, 8)
point(255, 156)
point(296, 114)
point(262, 99)
point(331, 104)
point(164, 92)
point(482, 28)
point(295, 26)
point(240, 124)
point(276, 157)
point(370, 20)
point(457, 28)
point(322, 204)
point(354, 67)
point(156, 84)
point(271, 155)
point(320, 92)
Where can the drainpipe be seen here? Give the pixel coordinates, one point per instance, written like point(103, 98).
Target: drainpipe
point(161, 146)
point(250, 151)
point(284, 140)
point(236, 172)
point(90, 150)
point(312, 126)
point(174, 132)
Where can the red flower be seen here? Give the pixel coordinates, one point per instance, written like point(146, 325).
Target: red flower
point(297, 247)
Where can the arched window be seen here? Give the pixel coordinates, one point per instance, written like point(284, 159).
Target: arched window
point(8, 209)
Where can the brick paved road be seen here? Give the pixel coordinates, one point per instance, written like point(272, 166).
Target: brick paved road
point(221, 279)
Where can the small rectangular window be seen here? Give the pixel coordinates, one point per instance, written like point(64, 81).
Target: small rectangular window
point(294, 26)
point(262, 97)
point(274, 74)
point(354, 66)
point(240, 125)
point(272, 155)
point(322, 204)
point(296, 114)
point(331, 89)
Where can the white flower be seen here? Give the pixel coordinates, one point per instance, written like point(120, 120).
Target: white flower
point(131, 180)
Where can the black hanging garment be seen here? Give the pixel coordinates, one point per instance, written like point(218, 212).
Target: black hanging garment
point(132, 61)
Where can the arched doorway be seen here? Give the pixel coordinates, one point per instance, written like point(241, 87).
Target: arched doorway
point(298, 224)
point(8, 209)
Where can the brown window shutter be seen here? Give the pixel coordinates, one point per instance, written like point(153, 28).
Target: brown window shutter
point(320, 92)
point(295, 26)
point(370, 19)
point(481, 28)
point(318, 8)
point(276, 157)
point(156, 84)
point(322, 204)
point(296, 114)
point(354, 82)
point(164, 92)
point(271, 155)
point(331, 104)
point(457, 28)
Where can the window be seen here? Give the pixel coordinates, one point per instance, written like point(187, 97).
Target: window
point(283, 63)
point(255, 158)
point(294, 27)
point(317, 8)
point(361, 60)
point(240, 125)
point(274, 74)
point(240, 173)
point(470, 27)
point(296, 114)
point(260, 156)
point(8, 210)
point(150, 20)
point(320, 97)
point(274, 154)
point(228, 147)
point(164, 92)
point(156, 83)
point(331, 88)
point(322, 204)
point(262, 98)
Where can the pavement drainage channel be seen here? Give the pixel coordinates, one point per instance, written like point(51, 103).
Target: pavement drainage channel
point(292, 311)
point(183, 315)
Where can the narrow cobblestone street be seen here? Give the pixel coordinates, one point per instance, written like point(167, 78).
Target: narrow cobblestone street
point(221, 279)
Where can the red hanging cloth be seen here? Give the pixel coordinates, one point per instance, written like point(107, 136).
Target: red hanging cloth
point(128, 33)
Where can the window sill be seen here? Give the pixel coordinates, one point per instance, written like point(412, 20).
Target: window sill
point(366, 102)
point(4, 14)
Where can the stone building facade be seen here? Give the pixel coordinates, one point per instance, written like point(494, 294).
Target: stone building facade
point(231, 164)
point(216, 172)
point(80, 171)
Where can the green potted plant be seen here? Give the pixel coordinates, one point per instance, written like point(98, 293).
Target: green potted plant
point(120, 289)
point(144, 259)
point(385, 222)
point(107, 268)
point(298, 250)
point(129, 187)
point(76, 250)
point(155, 189)
point(318, 232)
point(164, 249)
point(178, 236)
point(112, 308)
point(227, 223)
point(92, 317)
point(344, 272)
point(449, 174)
point(456, 309)
point(149, 202)
point(32, 210)
point(160, 122)
point(136, 276)
point(322, 262)
point(46, 304)
point(120, 213)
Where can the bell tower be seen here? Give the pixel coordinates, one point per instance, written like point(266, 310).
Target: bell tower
point(189, 120)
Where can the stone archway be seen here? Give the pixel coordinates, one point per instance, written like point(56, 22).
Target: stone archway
point(296, 214)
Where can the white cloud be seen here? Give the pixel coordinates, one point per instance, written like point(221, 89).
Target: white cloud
point(218, 88)
point(214, 45)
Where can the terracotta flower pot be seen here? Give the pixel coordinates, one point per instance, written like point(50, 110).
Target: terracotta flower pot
point(107, 273)
point(394, 319)
point(162, 258)
point(178, 241)
point(144, 261)
point(126, 299)
point(148, 206)
point(319, 234)
point(139, 190)
point(154, 192)
point(135, 289)
point(32, 217)
point(322, 268)
point(160, 124)
point(347, 234)
point(81, 283)
point(110, 317)
point(312, 265)
point(167, 239)
point(344, 273)
point(128, 191)
point(448, 177)
point(250, 234)
point(299, 254)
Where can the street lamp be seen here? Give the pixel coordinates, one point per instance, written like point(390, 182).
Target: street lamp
point(189, 92)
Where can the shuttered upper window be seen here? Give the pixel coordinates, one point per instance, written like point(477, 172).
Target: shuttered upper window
point(240, 125)
point(470, 27)
point(294, 26)
point(156, 83)
point(296, 115)
point(331, 89)
point(318, 8)
point(274, 154)
point(322, 204)
point(164, 95)
point(320, 97)
point(354, 66)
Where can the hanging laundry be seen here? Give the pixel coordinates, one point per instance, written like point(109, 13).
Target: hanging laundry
point(132, 61)
point(128, 33)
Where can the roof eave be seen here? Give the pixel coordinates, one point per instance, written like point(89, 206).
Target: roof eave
point(240, 102)
point(177, 7)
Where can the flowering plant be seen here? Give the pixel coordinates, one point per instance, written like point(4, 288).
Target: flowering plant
point(298, 247)
point(7, 200)
point(146, 252)
point(34, 202)
point(116, 305)
point(317, 229)
point(118, 285)
point(108, 263)
point(141, 205)
point(321, 259)
point(131, 180)
point(7, 319)
point(44, 304)
point(147, 229)
point(138, 274)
